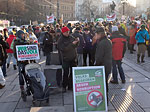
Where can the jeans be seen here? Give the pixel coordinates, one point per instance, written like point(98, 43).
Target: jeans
point(48, 58)
point(21, 68)
point(4, 67)
point(67, 73)
point(117, 64)
point(80, 59)
point(9, 58)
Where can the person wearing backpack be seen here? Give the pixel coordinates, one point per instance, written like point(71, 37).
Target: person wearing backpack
point(48, 46)
point(142, 36)
point(5, 46)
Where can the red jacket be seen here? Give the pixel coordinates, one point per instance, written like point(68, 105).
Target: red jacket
point(118, 48)
point(9, 41)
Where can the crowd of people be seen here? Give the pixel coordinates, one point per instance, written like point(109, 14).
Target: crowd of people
point(80, 44)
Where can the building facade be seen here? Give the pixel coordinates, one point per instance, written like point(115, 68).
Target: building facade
point(142, 5)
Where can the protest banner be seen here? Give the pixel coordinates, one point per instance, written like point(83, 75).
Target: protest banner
point(111, 17)
point(50, 19)
point(27, 52)
point(89, 88)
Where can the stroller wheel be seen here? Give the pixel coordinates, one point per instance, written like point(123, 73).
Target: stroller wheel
point(47, 101)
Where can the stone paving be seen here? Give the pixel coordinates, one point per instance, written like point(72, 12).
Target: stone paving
point(137, 86)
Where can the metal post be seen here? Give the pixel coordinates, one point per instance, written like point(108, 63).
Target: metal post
point(7, 9)
point(57, 9)
point(124, 8)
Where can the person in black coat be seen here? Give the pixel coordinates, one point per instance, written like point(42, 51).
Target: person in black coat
point(67, 47)
point(81, 45)
point(87, 51)
point(5, 46)
point(103, 56)
point(48, 46)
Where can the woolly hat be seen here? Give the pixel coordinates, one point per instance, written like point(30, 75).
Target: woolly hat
point(19, 33)
point(114, 28)
point(65, 29)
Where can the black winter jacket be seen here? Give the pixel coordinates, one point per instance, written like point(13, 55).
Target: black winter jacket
point(67, 48)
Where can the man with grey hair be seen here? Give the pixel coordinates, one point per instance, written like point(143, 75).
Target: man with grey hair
point(103, 55)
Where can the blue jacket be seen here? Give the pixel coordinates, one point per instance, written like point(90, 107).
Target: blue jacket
point(141, 35)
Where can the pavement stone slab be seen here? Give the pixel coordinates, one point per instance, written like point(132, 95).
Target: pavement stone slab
point(68, 95)
point(68, 108)
point(137, 79)
point(135, 75)
point(147, 109)
point(142, 99)
point(22, 110)
point(8, 107)
point(10, 96)
point(56, 102)
point(133, 88)
point(21, 104)
point(48, 109)
point(144, 84)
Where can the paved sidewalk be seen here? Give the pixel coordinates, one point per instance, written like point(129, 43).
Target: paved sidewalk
point(135, 94)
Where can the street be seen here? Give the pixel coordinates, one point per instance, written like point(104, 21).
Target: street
point(122, 97)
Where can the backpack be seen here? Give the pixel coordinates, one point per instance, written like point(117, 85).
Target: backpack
point(2, 55)
point(41, 37)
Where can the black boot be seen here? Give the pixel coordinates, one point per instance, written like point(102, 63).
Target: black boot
point(15, 67)
point(142, 59)
point(138, 58)
point(7, 65)
point(23, 93)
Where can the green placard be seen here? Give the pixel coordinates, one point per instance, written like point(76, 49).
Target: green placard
point(89, 89)
point(27, 52)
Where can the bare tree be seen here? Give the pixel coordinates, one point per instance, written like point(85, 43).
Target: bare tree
point(88, 10)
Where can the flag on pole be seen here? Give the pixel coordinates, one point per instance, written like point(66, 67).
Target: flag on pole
point(50, 19)
point(111, 17)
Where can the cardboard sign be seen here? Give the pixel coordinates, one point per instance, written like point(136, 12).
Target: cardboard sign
point(27, 52)
point(89, 89)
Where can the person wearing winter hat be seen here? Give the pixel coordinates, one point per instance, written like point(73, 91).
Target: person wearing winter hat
point(142, 36)
point(118, 51)
point(20, 40)
point(67, 48)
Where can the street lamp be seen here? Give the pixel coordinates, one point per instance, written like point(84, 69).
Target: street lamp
point(123, 3)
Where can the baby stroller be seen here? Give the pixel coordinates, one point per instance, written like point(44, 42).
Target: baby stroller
point(36, 83)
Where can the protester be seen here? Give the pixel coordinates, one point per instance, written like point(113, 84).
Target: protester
point(103, 56)
point(2, 56)
point(67, 46)
point(142, 36)
point(10, 51)
point(132, 41)
point(77, 34)
point(5, 46)
point(20, 40)
point(88, 47)
point(118, 50)
point(48, 46)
